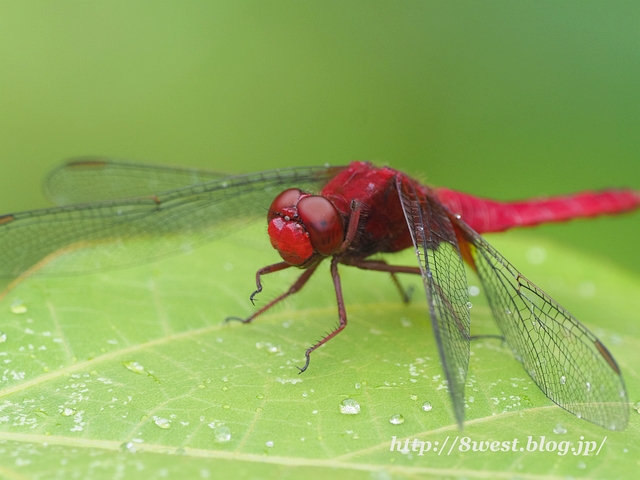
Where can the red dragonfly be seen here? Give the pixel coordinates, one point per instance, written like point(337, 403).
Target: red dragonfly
point(359, 211)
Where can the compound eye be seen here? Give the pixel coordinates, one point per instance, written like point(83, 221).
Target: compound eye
point(323, 223)
point(284, 203)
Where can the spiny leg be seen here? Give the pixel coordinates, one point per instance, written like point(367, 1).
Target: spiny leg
point(342, 313)
point(276, 267)
point(297, 286)
point(382, 266)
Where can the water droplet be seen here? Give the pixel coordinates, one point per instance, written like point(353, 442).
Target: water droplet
point(68, 412)
point(559, 430)
point(222, 434)
point(563, 380)
point(260, 396)
point(413, 397)
point(474, 291)
point(358, 385)
point(269, 444)
point(134, 367)
point(637, 407)
point(226, 407)
point(349, 406)
point(426, 406)
point(396, 419)
point(469, 305)
point(507, 311)
point(18, 307)
point(579, 414)
point(588, 387)
point(128, 447)
point(3, 337)
point(163, 423)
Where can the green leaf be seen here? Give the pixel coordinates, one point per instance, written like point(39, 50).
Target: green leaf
point(133, 373)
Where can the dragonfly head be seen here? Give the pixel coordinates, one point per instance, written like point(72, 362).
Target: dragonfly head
point(302, 225)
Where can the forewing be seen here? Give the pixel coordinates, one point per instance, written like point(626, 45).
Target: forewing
point(445, 283)
point(131, 231)
point(95, 179)
point(569, 364)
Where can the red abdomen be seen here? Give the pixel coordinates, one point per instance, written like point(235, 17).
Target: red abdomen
point(492, 216)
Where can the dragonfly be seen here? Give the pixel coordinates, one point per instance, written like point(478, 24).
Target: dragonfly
point(114, 214)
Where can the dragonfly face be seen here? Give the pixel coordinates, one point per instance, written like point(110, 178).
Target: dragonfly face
point(302, 225)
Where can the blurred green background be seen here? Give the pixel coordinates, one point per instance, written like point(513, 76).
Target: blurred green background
point(501, 99)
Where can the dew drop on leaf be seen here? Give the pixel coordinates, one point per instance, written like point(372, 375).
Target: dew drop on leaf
point(349, 406)
point(18, 307)
point(559, 430)
point(134, 367)
point(222, 434)
point(162, 422)
point(396, 419)
point(128, 447)
point(426, 407)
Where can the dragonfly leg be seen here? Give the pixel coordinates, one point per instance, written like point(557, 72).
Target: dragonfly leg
point(297, 286)
point(276, 267)
point(352, 227)
point(382, 266)
point(342, 314)
point(405, 294)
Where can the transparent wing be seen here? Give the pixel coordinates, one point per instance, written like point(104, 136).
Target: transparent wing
point(569, 364)
point(95, 179)
point(445, 283)
point(130, 231)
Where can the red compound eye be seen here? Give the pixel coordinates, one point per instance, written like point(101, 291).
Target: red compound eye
point(284, 204)
point(323, 223)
